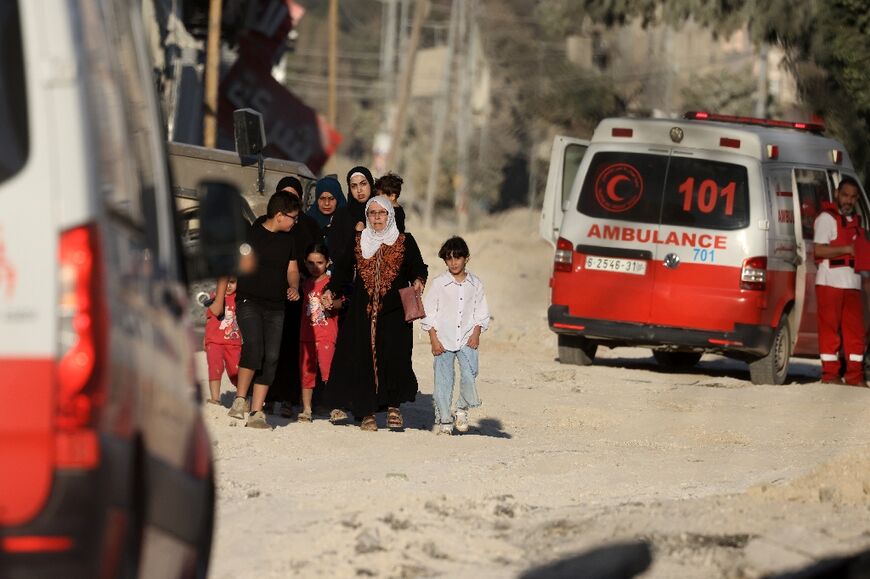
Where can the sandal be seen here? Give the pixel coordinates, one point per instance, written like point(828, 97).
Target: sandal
point(394, 418)
point(369, 423)
point(303, 417)
point(337, 415)
point(212, 401)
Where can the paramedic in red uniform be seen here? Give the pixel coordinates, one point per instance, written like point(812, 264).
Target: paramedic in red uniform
point(838, 287)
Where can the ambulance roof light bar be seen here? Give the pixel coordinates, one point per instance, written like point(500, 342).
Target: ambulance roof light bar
point(816, 128)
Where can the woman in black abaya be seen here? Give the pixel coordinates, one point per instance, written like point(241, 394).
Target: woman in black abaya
point(372, 368)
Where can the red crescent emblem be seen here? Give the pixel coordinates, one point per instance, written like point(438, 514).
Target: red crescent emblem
point(618, 187)
point(611, 188)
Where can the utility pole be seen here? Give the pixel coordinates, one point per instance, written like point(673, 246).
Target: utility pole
point(333, 61)
point(212, 72)
point(463, 119)
point(398, 132)
point(388, 47)
point(761, 100)
point(440, 119)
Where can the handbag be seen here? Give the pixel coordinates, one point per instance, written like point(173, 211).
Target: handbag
point(412, 303)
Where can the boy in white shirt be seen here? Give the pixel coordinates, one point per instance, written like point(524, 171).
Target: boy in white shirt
point(456, 314)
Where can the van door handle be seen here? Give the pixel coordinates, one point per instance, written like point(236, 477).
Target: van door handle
point(799, 254)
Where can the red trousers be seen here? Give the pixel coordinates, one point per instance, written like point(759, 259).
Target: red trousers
point(221, 356)
point(841, 324)
point(314, 355)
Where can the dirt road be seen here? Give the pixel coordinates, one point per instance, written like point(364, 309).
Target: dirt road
point(726, 479)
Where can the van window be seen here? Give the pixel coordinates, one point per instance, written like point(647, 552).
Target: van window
point(812, 188)
point(649, 188)
point(571, 162)
point(14, 137)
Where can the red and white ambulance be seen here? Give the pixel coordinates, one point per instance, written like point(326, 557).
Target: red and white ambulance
point(689, 236)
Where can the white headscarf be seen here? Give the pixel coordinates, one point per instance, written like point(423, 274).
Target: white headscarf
point(371, 240)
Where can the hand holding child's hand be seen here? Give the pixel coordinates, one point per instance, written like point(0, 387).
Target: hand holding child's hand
point(292, 294)
point(326, 300)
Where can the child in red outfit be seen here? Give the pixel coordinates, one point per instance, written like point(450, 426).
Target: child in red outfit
point(223, 342)
point(319, 327)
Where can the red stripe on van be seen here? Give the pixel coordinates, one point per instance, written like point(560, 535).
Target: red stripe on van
point(26, 438)
point(784, 194)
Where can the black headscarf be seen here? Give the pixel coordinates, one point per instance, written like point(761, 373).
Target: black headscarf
point(289, 181)
point(326, 185)
point(356, 209)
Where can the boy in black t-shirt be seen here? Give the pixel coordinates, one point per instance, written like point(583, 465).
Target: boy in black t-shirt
point(260, 298)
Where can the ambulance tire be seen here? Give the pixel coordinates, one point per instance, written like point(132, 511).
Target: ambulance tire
point(576, 350)
point(676, 360)
point(773, 368)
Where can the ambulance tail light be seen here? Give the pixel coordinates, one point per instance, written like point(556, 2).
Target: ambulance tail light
point(726, 142)
point(753, 276)
point(621, 132)
point(564, 257)
point(81, 321)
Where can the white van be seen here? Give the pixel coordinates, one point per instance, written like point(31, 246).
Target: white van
point(689, 236)
point(105, 462)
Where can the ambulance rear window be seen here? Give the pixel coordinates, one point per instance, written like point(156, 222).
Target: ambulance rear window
point(650, 188)
point(14, 139)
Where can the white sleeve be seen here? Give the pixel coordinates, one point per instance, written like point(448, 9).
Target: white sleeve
point(481, 308)
point(824, 229)
point(430, 306)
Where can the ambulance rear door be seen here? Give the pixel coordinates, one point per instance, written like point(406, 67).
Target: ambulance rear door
point(788, 262)
point(811, 187)
point(614, 233)
point(565, 158)
point(710, 226)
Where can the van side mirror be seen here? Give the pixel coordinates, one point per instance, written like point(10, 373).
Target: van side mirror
point(222, 230)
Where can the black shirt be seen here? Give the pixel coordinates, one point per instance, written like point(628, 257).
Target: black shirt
point(273, 252)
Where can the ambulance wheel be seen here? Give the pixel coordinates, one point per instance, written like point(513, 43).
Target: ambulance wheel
point(576, 350)
point(676, 360)
point(773, 368)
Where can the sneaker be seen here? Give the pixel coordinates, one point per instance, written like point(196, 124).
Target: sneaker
point(238, 409)
point(444, 429)
point(461, 420)
point(258, 420)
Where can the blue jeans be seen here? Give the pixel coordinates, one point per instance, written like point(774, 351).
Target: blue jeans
point(444, 372)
